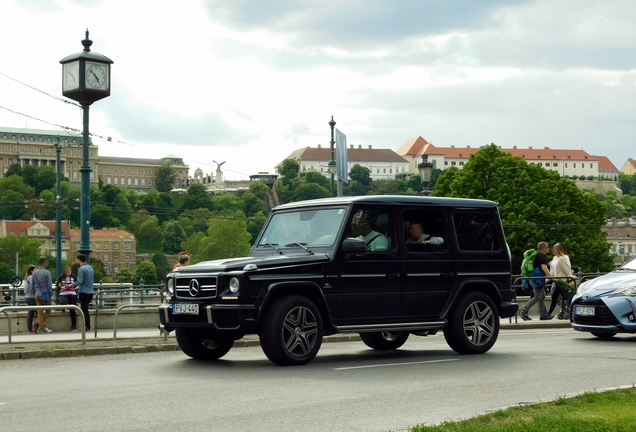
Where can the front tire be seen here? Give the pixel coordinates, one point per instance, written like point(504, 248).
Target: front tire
point(201, 347)
point(473, 325)
point(384, 341)
point(291, 331)
point(604, 335)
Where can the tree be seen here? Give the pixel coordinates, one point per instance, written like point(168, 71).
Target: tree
point(627, 183)
point(102, 216)
point(319, 179)
point(28, 250)
point(123, 276)
point(14, 169)
point(30, 174)
point(146, 229)
point(226, 238)
point(173, 237)
point(195, 220)
point(259, 189)
point(165, 178)
point(289, 168)
point(162, 265)
point(11, 205)
point(309, 191)
point(361, 174)
point(197, 197)
point(147, 271)
point(16, 184)
point(45, 178)
point(535, 205)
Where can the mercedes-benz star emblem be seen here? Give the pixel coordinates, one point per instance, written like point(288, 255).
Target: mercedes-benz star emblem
point(193, 287)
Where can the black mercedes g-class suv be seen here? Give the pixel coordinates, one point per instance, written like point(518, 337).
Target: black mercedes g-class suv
point(383, 266)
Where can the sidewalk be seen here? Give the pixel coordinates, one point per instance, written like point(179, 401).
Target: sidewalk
point(69, 344)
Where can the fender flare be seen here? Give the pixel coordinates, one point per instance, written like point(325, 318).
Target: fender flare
point(317, 297)
point(464, 286)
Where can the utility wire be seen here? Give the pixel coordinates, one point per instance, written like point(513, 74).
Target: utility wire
point(41, 91)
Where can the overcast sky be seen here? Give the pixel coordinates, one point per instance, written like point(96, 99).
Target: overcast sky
point(247, 82)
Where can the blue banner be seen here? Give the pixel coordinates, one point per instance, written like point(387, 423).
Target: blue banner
point(341, 156)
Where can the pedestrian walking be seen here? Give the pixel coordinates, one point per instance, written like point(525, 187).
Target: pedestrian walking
point(540, 270)
point(41, 279)
point(84, 283)
point(560, 266)
point(29, 298)
point(68, 294)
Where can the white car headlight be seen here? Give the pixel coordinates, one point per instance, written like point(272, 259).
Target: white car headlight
point(234, 285)
point(583, 289)
point(170, 286)
point(628, 291)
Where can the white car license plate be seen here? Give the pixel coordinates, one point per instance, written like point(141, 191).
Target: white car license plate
point(584, 310)
point(185, 309)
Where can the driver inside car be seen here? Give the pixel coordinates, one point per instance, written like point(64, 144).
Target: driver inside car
point(373, 240)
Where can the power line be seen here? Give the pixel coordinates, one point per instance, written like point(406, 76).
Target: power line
point(41, 91)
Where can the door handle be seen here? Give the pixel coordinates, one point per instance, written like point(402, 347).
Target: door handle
point(392, 275)
point(447, 274)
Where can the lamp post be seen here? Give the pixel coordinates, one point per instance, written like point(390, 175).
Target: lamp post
point(85, 79)
point(426, 169)
point(332, 163)
point(58, 212)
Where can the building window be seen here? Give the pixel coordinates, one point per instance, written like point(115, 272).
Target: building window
point(115, 269)
point(547, 164)
point(143, 172)
point(108, 180)
point(106, 269)
point(115, 245)
point(136, 172)
point(143, 182)
point(566, 164)
point(383, 170)
point(116, 181)
point(453, 163)
point(136, 182)
point(127, 257)
point(123, 181)
point(149, 182)
point(461, 162)
point(105, 257)
point(127, 245)
point(629, 249)
point(390, 170)
point(555, 164)
point(591, 165)
point(98, 245)
point(97, 255)
point(129, 181)
point(115, 170)
point(106, 245)
point(116, 256)
point(75, 175)
point(574, 165)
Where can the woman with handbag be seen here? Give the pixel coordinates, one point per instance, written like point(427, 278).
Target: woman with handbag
point(43, 292)
point(29, 298)
point(560, 266)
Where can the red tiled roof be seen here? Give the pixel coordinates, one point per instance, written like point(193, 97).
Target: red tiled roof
point(102, 233)
point(354, 154)
point(627, 232)
point(418, 146)
point(17, 226)
point(605, 165)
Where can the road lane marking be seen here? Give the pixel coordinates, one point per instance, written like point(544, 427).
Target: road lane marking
point(393, 364)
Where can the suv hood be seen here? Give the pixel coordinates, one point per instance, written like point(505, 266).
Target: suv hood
point(261, 262)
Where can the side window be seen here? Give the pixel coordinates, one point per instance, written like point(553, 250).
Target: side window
point(476, 231)
point(424, 231)
point(373, 226)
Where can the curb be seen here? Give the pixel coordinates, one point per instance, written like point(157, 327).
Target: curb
point(86, 351)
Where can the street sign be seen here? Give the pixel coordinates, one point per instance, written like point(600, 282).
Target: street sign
point(341, 156)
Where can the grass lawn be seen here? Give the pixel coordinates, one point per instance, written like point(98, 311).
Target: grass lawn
point(591, 412)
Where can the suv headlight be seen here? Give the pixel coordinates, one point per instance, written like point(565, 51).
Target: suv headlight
point(170, 286)
point(235, 284)
point(628, 291)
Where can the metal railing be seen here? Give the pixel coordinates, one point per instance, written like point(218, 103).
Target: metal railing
point(130, 294)
point(6, 309)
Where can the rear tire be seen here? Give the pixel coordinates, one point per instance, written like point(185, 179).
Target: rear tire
point(384, 341)
point(200, 347)
point(473, 324)
point(604, 335)
point(291, 331)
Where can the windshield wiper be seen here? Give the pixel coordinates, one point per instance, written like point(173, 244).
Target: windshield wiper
point(273, 246)
point(301, 245)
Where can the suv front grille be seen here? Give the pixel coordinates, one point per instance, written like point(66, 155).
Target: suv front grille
point(195, 287)
point(603, 315)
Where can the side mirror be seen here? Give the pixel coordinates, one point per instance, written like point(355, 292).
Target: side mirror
point(353, 246)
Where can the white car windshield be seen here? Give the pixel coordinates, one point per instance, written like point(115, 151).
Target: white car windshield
point(303, 227)
point(629, 266)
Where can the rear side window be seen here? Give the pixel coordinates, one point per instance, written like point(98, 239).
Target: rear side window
point(476, 231)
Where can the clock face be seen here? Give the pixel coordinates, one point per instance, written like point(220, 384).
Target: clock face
point(96, 76)
point(70, 80)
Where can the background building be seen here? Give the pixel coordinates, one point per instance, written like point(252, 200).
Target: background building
point(382, 163)
point(36, 147)
point(622, 236)
point(42, 230)
point(116, 248)
point(566, 162)
point(629, 167)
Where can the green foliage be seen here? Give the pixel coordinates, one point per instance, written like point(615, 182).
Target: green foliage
point(16, 184)
point(259, 189)
point(173, 237)
point(162, 265)
point(29, 251)
point(317, 178)
point(123, 276)
point(146, 229)
point(390, 187)
point(98, 268)
point(11, 205)
point(166, 177)
point(197, 197)
point(535, 205)
point(147, 271)
point(627, 183)
point(226, 238)
point(195, 221)
point(309, 191)
point(102, 216)
point(289, 168)
point(360, 174)
point(14, 169)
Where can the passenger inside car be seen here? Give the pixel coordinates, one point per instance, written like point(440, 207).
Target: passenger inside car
point(373, 240)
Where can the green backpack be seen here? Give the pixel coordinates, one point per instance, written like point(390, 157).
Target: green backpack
point(527, 265)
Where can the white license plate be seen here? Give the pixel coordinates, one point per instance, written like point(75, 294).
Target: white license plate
point(185, 309)
point(584, 310)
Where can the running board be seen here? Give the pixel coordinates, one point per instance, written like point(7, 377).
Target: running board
point(391, 327)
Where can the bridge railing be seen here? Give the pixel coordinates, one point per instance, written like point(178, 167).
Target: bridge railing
point(7, 309)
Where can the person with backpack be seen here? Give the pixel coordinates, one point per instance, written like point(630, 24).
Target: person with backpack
point(560, 266)
point(540, 269)
point(29, 298)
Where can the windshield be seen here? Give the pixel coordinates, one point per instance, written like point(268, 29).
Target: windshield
point(303, 227)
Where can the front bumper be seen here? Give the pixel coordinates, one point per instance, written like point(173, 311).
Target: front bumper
point(612, 315)
point(221, 318)
point(507, 310)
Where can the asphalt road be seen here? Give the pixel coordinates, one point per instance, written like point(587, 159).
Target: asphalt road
point(347, 388)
